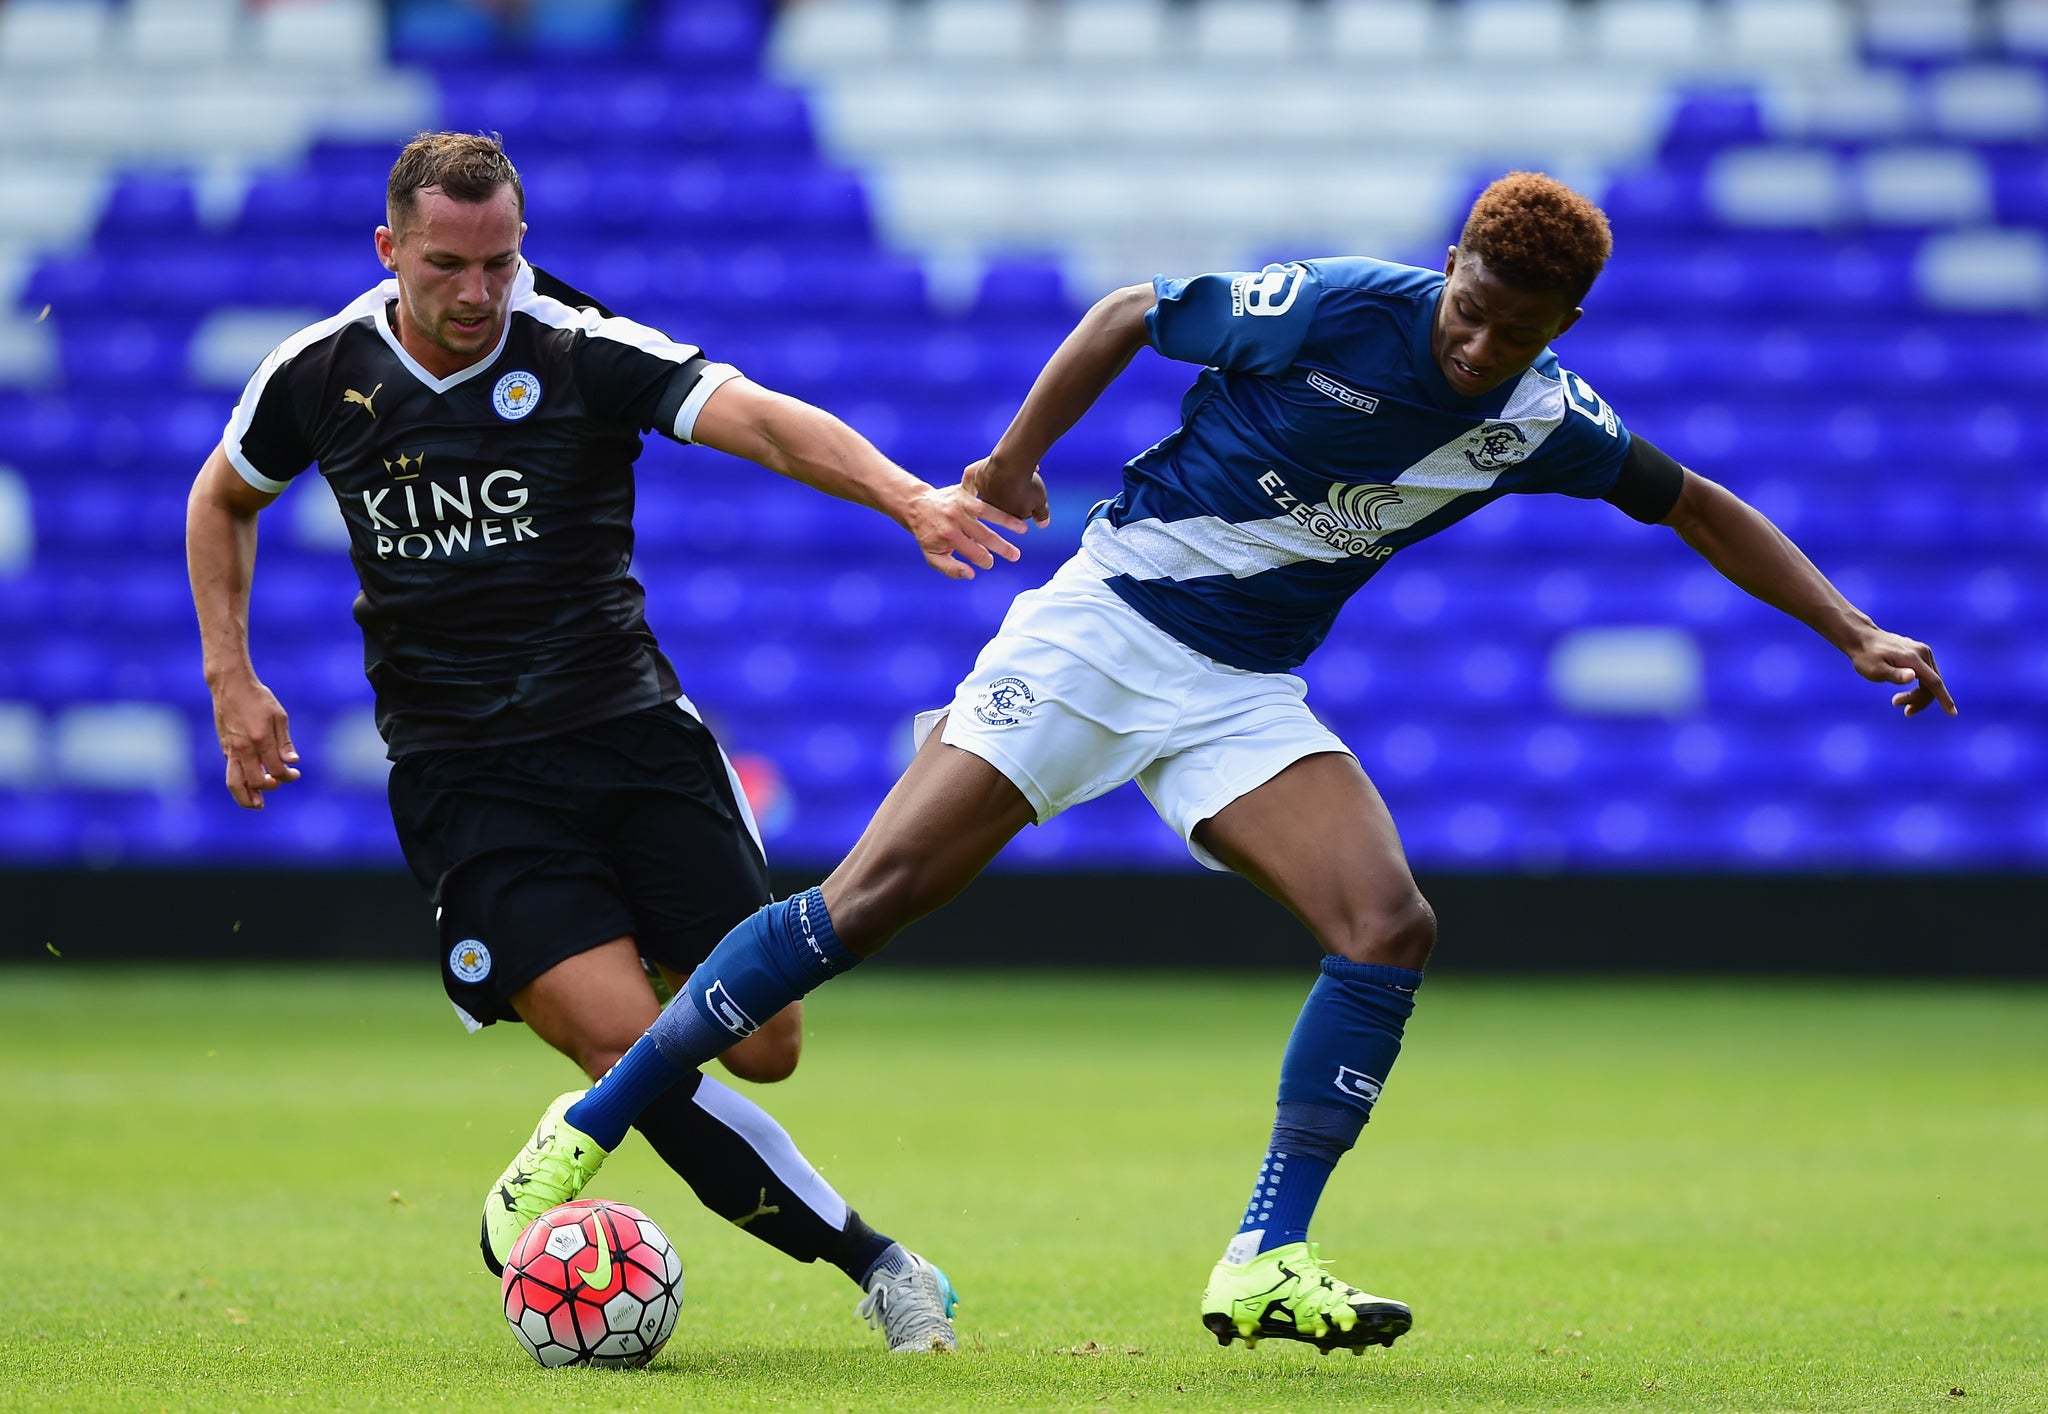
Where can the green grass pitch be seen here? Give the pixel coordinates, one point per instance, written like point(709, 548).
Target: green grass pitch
point(258, 1190)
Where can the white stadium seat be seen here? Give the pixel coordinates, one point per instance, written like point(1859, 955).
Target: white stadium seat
point(833, 34)
point(1383, 31)
point(876, 112)
point(2002, 104)
point(1920, 29)
point(1652, 670)
point(327, 34)
point(1984, 270)
point(21, 745)
point(1247, 31)
point(1776, 186)
point(232, 341)
point(28, 351)
point(2021, 28)
point(46, 34)
point(45, 203)
point(205, 33)
point(1924, 186)
point(998, 31)
point(957, 201)
point(352, 753)
point(17, 525)
point(1534, 32)
point(1112, 31)
point(124, 746)
point(1790, 33)
point(316, 519)
point(1675, 33)
point(1849, 105)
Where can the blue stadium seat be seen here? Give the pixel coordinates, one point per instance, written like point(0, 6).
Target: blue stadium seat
point(1706, 121)
point(39, 827)
point(153, 206)
point(291, 204)
point(678, 184)
point(710, 34)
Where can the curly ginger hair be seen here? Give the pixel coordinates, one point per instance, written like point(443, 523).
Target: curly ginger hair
point(1538, 235)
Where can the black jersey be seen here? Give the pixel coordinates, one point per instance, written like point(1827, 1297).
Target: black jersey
point(490, 513)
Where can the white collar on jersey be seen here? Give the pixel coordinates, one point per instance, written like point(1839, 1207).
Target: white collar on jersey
point(522, 287)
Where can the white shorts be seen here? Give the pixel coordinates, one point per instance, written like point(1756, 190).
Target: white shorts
point(1078, 694)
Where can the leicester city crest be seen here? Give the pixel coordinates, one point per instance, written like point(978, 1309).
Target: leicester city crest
point(516, 395)
point(469, 960)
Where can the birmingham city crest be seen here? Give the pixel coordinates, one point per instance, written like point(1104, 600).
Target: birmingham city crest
point(1498, 446)
point(1005, 702)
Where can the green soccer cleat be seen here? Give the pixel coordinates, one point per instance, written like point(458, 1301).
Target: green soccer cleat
point(1286, 1294)
point(549, 1171)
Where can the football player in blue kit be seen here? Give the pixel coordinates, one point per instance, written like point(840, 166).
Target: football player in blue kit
point(1346, 409)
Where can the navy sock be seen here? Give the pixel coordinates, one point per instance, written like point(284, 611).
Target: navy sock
point(774, 957)
point(1284, 1198)
point(636, 1080)
point(1338, 1058)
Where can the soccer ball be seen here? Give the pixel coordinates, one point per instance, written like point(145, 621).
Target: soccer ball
point(593, 1283)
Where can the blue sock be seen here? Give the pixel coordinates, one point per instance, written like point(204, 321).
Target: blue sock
point(771, 959)
point(1343, 1046)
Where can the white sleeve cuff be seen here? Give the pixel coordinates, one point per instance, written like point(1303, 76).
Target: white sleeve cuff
point(249, 472)
point(714, 377)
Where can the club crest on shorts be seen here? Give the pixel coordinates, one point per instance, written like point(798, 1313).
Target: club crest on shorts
point(1005, 702)
point(516, 395)
point(469, 960)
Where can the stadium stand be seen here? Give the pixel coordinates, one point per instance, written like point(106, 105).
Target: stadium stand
point(1829, 291)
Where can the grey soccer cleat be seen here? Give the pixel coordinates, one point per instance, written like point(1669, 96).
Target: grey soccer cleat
point(912, 1307)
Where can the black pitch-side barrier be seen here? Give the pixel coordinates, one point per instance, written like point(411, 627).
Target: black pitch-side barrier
point(1990, 925)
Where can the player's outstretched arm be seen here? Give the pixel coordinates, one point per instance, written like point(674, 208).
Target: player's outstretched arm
point(1087, 361)
point(220, 554)
point(951, 524)
point(1736, 539)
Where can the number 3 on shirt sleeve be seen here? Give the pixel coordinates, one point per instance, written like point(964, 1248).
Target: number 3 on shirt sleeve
point(1580, 397)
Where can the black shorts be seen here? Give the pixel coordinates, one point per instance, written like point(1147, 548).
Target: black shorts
point(539, 851)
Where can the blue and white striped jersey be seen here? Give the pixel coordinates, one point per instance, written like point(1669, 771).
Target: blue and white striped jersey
point(1321, 438)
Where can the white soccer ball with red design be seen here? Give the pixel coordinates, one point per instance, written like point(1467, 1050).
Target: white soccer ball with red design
point(593, 1283)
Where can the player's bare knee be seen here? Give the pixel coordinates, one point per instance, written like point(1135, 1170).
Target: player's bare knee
point(1402, 935)
point(764, 1065)
point(597, 1059)
point(771, 1053)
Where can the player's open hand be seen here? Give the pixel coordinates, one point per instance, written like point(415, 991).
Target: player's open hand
point(956, 529)
point(1891, 657)
point(1019, 490)
point(256, 739)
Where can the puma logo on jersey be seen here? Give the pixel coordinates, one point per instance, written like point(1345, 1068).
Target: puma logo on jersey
point(350, 395)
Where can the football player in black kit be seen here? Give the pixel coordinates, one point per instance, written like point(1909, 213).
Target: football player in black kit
point(551, 787)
